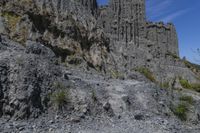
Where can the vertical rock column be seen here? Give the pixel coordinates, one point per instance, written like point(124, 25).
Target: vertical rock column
point(173, 40)
point(90, 5)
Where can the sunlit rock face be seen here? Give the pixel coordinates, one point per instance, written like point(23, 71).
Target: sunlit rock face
point(112, 37)
point(136, 42)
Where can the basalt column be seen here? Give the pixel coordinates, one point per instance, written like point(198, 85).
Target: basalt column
point(90, 5)
point(126, 20)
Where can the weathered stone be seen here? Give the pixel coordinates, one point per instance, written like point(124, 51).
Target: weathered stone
point(90, 5)
point(135, 42)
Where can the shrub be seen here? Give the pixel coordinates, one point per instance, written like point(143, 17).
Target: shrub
point(60, 98)
point(188, 99)
point(184, 83)
point(147, 73)
point(181, 111)
point(11, 20)
point(196, 87)
point(191, 65)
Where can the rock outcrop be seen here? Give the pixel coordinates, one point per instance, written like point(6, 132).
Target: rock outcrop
point(90, 5)
point(116, 37)
point(66, 26)
point(29, 78)
point(64, 62)
point(136, 42)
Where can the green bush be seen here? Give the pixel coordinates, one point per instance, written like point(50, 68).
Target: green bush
point(196, 87)
point(11, 20)
point(188, 99)
point(61, 95)
point(185, 84)
point(147, 73)
point(60, 98)
point(181, 111)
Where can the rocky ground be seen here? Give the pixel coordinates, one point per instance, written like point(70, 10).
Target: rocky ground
point(130, 106)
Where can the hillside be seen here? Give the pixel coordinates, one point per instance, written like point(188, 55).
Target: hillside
point(72, 66)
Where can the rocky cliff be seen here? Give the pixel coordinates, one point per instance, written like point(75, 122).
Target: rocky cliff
point(67, 27)
point(136, 42)
point(71, 66)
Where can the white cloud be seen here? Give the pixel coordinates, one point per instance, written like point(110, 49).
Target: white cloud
point(174, 15)
point(163, 10)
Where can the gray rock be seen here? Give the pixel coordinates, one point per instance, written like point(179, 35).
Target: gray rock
point(39, 49)
point(24, 79)
point(59, 55)
point(2, 27)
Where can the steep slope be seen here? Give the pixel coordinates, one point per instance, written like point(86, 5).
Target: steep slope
point(66, 26)
point(30, 77)
point(69, 66)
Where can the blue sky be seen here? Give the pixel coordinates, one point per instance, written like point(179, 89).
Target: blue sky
point(185, 14)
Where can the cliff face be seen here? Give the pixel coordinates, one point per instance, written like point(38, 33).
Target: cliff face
point(90, 5)
point(136, 42)
point(125, 20)
point(113, 37)
point(164, 36)
point(93, 66)
point(66, 26)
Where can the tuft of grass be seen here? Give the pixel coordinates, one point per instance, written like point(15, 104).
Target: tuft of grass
point(147, 73)
point(181, 111)
point(196, 87)
point(188, 99)
point(172, 55)
point(11, 20)
point(94, 96)
point(59, 85)
point(192, 66)
point(193, 86)
point(164, 85)
point(23, 35)
point(116, 74)
point(60, 98)
point(184, 83)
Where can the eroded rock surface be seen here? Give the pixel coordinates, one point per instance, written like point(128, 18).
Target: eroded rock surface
point(71, 66)
point(95, 103)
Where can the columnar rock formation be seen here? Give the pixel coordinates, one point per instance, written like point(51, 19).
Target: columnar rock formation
point(90, 5)
point(136, 42)
point(113, 37)
point(164, 36)
point(125, 20)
